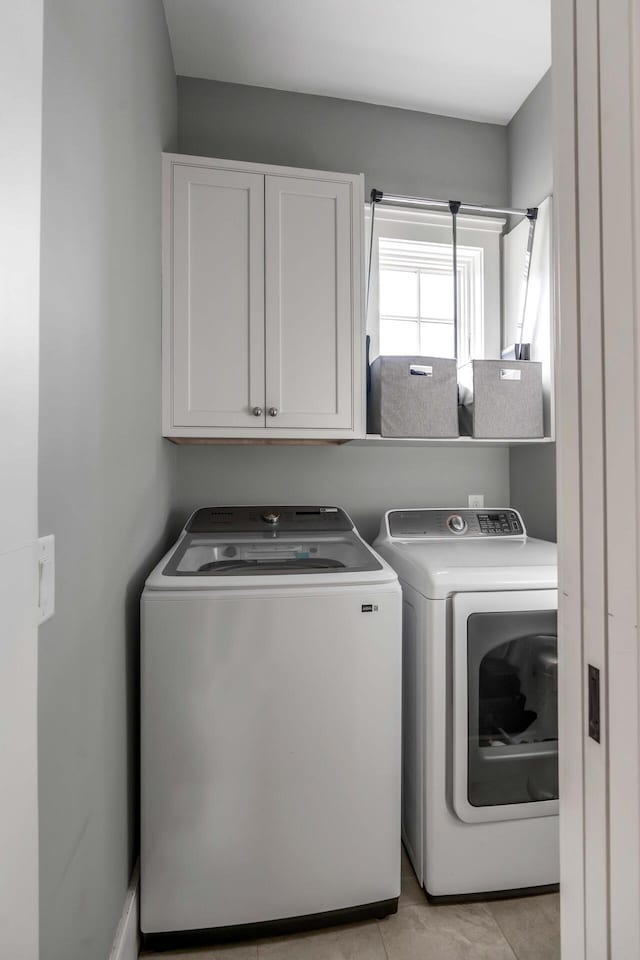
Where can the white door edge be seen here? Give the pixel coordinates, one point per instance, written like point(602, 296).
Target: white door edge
point(21, 70)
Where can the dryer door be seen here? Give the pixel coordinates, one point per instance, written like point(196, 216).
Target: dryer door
point(505, 705)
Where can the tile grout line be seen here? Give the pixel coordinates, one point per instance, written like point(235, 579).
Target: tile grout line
point(500, 928)
point(384, 946)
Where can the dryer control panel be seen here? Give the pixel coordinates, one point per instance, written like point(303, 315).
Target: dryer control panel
point(454, 523)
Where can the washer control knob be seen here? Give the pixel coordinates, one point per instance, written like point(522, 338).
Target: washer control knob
point(271, 517)
point(457, 524)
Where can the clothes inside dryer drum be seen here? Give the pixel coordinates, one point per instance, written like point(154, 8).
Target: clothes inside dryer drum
point(502, 711)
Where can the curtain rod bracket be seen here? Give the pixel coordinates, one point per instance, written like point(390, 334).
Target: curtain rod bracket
point(532, 213)
point(376, 196)
point(454, 206)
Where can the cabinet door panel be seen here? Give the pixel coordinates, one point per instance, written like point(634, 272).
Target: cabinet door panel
point(218, 297)
point(309, 303)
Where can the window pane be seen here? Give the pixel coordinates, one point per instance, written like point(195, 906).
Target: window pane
point(399, 293)
point(436, 295)
point(436, 339)
point(398, 337)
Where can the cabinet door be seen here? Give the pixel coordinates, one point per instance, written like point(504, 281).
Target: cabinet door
point(217, 325)
point(310, 311)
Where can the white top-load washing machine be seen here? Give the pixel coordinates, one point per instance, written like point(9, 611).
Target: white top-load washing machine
point(480, 734)
point(271, 701)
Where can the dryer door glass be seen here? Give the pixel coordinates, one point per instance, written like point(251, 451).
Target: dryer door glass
point(512, 668)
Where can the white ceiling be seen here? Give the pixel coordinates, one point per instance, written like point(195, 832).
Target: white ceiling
point(477, 59)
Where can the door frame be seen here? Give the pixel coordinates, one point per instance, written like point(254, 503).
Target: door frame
point(570, 663)
point(596, 127)
point(21, 69)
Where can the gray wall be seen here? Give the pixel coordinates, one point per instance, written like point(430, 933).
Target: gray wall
point(530, 148)
point(363, 480)
point(105, 474)
point(398, 150)
point(533, 469)
point(532, 478)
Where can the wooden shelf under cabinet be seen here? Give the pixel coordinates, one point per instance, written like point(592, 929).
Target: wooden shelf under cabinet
point(371, 440)
point(256, 440)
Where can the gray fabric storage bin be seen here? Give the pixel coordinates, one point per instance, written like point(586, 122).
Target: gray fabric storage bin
point(501, 399)
point(413, 397)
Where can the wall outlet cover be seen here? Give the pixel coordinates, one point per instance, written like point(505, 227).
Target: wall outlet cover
point(476, 500)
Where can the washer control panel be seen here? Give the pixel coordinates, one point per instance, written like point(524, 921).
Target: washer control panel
point(438, 524)
point(269, 518)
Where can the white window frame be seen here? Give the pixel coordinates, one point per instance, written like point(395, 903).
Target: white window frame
point(437, 258)
point(431, 226)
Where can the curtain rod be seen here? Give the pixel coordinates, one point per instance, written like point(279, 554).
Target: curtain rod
point(377, 196)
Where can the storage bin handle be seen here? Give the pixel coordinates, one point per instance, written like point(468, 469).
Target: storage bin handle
point(419, 370)
point(507, 373)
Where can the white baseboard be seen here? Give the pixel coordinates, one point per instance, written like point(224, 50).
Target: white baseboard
point(126, 944)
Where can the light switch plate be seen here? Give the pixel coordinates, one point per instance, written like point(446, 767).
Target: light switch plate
point(46, 578)
point(476, 500)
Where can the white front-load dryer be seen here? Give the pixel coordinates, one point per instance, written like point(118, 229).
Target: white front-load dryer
point(270, 727)
point(480, 733)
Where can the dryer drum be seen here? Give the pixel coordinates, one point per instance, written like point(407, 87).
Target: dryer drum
point(503, 710)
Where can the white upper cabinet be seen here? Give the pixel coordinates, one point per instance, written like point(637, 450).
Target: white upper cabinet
point(217, 299)
point(309, 303)
point(262, 309)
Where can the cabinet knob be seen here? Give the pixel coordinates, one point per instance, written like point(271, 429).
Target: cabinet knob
point(273, 411)
point(257, 411)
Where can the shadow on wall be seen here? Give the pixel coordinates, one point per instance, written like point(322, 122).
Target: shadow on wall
point(132, 643)
point(532, 477)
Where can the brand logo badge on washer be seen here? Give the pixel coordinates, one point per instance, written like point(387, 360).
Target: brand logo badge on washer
point(369, 608)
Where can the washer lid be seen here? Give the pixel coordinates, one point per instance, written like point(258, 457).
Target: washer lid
point(266, 554)
point(267, 547)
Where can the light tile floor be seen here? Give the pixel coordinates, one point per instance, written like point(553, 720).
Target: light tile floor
point(525, 929)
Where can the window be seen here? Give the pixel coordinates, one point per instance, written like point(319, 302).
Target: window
point(416, 299)
point(411, 295)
